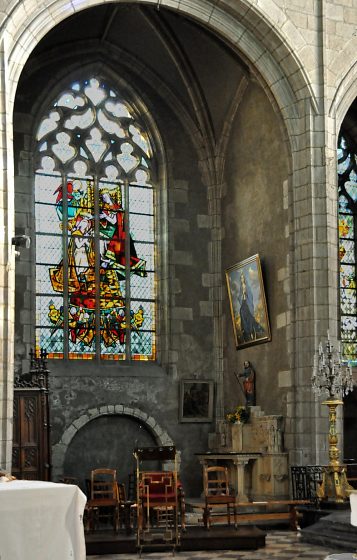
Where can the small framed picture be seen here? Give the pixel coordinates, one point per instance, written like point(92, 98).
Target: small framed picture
point(196, 400)
point(247, 303)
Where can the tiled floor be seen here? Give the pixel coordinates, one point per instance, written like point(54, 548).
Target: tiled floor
point(280, 545)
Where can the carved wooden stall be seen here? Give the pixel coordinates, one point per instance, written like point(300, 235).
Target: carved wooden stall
point(31, 451)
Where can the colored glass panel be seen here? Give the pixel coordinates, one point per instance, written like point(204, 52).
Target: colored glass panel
point(45, 186)
point(347, 190)
point(347, 251)
point(347, 276)
point(349, 327)
point(349, 351)
point(49, 311)
point(346, 226)
point(81, 324)
point(50, 340)
point(348, 302)
point(79, 209)
point(147, 254)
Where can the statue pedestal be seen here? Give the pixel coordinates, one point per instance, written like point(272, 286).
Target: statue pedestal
point(267, 476)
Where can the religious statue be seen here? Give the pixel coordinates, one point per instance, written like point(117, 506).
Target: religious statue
point(248, 376)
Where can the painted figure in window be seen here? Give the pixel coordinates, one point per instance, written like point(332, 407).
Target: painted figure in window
point(113, 231)
point(81, 265)
point(251, 329)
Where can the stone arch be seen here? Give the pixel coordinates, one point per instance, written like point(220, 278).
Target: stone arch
point(59, 449)
point(345, 94)
point(253, 32)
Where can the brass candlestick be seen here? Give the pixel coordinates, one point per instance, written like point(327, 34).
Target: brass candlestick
point(333, 377)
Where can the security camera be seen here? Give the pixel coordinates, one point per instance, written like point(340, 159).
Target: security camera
point(21, 241)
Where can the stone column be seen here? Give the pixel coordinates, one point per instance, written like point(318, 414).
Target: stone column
point(238, 474)
point(7, 269)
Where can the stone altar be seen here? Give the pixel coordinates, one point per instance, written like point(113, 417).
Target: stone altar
point(265, 472)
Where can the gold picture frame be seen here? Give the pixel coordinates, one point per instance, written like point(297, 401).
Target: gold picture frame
point(247, 303)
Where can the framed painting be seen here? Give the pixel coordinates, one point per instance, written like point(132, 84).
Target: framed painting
point(247, 303)
point(196, 400)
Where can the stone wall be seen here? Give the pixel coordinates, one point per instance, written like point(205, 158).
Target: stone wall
point(302, 55)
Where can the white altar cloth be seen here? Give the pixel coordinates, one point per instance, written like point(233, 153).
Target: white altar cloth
point(353, 503)
point(41, 521)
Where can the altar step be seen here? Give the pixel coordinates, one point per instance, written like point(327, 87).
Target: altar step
point(194, 538)
point(333, 530)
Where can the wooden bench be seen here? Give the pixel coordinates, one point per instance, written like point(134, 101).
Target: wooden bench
point(273, 510)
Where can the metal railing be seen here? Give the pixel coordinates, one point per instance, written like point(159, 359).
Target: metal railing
point(304, 481)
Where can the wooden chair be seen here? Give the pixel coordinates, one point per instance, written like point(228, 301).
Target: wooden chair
point(103, 504)
point(217, 494)
point(161, 491)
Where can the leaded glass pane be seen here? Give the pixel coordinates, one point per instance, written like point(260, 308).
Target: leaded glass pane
point(49, 311)
point(140, 198)
point(63, 148)
point(45, 187)
point(143, 288)
point(140, 139)
point(110, 126)
point(117, 109)
point(347, 276)
point(349, 351)
point(349, 328)
point(348, 302)
point(343, 164)
point(346, 226)
point(351, 189)
point(70, 101)
point(142, 227)
point(146, 252)
point(43, 281)
point(46, 219)
point(48, 249)
point(48, 124)
point(142, 315)
point(114, 351)
point(347, 251)
point(50, 340)
point(343, 206)
point(95, 144)
point(81, 322)
point(126, 158)
point(95, 93)
point(82, 120)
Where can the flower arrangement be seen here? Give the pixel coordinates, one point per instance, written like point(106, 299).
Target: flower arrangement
point(239, 414)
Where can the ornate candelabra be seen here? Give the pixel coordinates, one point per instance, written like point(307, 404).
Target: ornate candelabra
point(333, 378)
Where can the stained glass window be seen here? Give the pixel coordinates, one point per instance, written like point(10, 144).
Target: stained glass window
point(95, 242)
point(347, 214)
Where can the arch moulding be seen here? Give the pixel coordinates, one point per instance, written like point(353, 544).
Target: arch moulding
point(282, 71)
point(60, 449)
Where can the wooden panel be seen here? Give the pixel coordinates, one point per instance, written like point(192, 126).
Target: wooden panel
point(30, 456)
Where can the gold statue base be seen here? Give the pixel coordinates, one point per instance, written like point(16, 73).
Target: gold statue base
point(334, 486)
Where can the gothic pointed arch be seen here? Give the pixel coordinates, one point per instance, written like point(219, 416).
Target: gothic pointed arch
point(95, 227)
point(347, 227)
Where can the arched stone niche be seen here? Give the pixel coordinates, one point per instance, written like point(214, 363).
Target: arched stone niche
point(105, 437)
